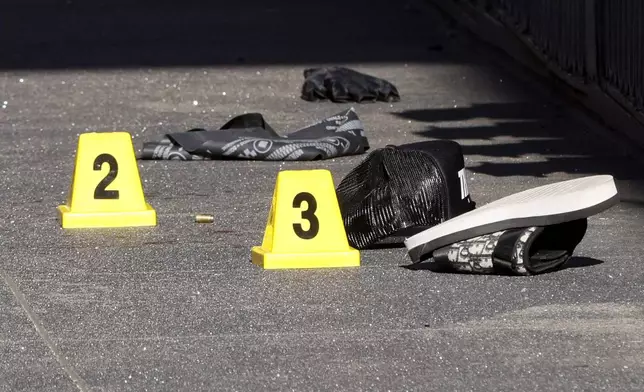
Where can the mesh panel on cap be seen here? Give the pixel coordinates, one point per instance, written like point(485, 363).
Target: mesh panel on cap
point(391, 190)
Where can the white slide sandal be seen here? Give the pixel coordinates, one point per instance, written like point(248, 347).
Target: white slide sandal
point(542, 206)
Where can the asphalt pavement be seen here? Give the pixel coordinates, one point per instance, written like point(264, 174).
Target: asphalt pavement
point(180, 307)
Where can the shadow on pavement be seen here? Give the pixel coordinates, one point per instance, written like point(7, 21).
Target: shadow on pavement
point(581, 262)
point(134, 33)
point(573, 262)
point(526, 139)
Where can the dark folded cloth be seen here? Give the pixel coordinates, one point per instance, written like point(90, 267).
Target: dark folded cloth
point(249, 137)
point(340, 84)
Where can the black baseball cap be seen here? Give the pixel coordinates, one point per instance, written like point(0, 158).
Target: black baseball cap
point(398, 191)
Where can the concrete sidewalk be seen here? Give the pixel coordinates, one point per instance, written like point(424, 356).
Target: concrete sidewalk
point(180, 307)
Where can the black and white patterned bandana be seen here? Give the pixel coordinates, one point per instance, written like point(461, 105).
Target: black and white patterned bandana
point(249, 137)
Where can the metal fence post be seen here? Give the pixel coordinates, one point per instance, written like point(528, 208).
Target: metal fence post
point(591, 40)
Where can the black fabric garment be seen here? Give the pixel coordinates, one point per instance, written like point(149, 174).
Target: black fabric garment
point(522, 251)
point(249, 137)
point(400, 190)
point(340, 84)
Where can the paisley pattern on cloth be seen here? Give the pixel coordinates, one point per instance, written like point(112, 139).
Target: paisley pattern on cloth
point(249, 137)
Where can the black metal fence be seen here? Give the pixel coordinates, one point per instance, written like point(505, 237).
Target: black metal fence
point(595, 41)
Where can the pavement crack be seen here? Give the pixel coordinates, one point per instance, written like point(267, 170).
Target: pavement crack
point(38, 325)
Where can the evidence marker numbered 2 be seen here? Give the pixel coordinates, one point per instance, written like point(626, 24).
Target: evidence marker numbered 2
point(106, 189)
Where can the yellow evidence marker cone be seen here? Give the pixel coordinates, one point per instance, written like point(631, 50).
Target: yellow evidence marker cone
point(305, 227)
point(106, 189)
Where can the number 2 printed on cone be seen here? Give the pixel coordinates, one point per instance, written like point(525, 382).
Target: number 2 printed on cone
point(106, 189)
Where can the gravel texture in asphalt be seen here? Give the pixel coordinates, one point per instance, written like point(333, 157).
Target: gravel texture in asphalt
point(180, 306)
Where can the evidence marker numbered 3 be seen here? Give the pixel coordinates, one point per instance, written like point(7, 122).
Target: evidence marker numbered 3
point(305, 227)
